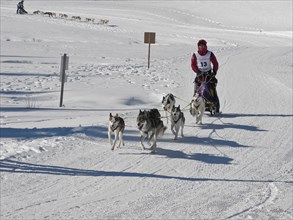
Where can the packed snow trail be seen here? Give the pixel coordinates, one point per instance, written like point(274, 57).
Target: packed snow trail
point(56, 163)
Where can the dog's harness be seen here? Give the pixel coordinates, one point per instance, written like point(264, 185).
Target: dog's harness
point(117, 124)
point(196, 106)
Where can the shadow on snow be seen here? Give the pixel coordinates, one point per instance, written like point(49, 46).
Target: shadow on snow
point(229, 125)
point(11, 166)
point(240, 115)
point(176, 154)
point(29, 74)
point(204, 141)
point(102, 132)
point(32, 133)
point(20, 109)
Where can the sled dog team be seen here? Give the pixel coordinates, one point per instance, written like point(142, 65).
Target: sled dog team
point(151, 126)
point(65, 16)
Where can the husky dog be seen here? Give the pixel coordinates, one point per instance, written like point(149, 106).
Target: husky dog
point(37, 12)
point(90, 19)
point(177, 121)
point(50, 14)
point(61, 15)
point(116, 126)
point(150, 126)
point(168, 102)
point(103, 21)
point(76, 18)
point(197, 107)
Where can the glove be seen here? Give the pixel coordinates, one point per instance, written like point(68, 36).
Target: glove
point(200, 73)
point(213, 73)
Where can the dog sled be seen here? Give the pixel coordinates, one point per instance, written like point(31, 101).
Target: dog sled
point(208, 91)
point(20, 8)
point(21, 11)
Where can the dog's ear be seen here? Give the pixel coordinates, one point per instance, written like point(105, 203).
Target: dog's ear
point(110, 115)
point(116, 115)
point(179, 107)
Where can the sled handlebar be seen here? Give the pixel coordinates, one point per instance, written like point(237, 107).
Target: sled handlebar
point(204, 75)
point(209, 73)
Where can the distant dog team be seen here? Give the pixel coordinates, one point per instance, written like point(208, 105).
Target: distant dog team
point(74, 17)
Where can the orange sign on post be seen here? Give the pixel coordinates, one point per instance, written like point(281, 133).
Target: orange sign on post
point(149, 38)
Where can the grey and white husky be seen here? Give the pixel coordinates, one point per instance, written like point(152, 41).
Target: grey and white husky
point(168, 102)
point(116, 126)
point(197, 107)
point(177, 121)
point(150, 126)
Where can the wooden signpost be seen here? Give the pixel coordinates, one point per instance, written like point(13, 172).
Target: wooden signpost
point(149, 38)
point(63, 67)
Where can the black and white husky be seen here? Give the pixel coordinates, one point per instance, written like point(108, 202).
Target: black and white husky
point(168, 102)
point(150, 126)
point(116, 126)
point(177, 121)
point(197, 107)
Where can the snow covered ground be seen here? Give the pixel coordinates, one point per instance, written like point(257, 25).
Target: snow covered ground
point(56, 162)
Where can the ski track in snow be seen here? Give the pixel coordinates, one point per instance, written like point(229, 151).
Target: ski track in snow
point(269, 195)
